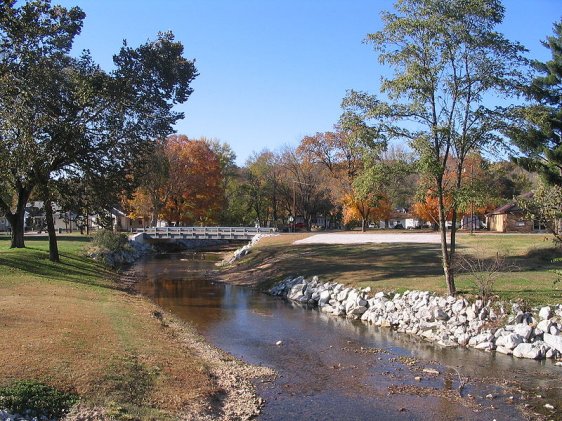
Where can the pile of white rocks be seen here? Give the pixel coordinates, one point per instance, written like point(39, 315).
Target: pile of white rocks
point(448, 321)
point(6, 416)
point(243, 251)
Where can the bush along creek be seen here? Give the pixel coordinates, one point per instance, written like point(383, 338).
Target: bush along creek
point(115, 249)
point(447, 321)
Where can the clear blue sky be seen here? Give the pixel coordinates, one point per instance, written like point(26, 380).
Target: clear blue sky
point(271, 72)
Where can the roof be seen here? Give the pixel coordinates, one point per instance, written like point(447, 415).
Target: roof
point(510, 207)
point(401, 215)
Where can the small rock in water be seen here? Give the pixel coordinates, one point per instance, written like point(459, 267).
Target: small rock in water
point(490, 396)
point(430, 371)
point(279, 343)
point(548, 406)
point(417, 378)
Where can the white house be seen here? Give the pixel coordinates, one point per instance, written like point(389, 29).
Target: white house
point(401, 218)
point(4, 224)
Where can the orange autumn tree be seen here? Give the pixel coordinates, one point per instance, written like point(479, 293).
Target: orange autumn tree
point(472, 197)
point(428, 209)
point(140, 206)
point(372, 207)
point(193, 193)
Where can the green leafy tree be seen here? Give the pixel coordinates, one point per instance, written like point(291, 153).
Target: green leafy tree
point(34, 42)
point(63, 117)
point(261, 186)
point(545, 207)
point(536, 129)
point(446, 55)
point(229, 179)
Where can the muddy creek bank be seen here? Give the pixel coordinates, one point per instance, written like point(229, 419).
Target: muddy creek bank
point(331, 368)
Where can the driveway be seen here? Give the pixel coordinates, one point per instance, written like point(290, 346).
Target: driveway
point(363, 238)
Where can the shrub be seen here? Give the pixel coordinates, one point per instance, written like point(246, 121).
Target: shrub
point(36, 399)
point(484, 270)
point(110, 241)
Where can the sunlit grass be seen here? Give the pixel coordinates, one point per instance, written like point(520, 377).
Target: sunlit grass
point(70, 326)
point(416, 266)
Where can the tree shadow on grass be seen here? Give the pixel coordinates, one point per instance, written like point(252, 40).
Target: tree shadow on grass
point(70, 269)
point(534, 260)
point(74, 238)
point(380, 261)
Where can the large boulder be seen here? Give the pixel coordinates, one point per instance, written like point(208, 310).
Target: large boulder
point(509, 341)
point(544, 325)
point(324, 297)
point(553, 341)
point(359, 310)
point(523, 330)
point(534, 351)
point(545, 313)
point(440, 314)
point(459, 306)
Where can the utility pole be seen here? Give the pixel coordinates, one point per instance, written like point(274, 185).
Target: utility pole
point(472, 198)
point(295, 201)
point(294, 205)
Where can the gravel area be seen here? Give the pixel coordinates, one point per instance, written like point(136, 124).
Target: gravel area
point(363, 238)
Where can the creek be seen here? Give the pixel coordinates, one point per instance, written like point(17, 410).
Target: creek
point(332, 368)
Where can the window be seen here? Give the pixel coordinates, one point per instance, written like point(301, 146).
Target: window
point(538, 226)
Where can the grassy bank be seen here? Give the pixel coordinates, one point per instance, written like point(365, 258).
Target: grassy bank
point(407, 266)
point(70, 326)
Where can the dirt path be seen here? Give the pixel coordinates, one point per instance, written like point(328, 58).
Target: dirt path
point(363, 238)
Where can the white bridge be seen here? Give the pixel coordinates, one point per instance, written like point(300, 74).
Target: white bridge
point(204, 233)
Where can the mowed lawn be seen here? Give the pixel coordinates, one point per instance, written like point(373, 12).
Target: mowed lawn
point(68, 325)
point(402, 266)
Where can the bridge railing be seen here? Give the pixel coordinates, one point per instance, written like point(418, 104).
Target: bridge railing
point(205, 232)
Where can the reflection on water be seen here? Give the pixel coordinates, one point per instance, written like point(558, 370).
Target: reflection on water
point(333, 368)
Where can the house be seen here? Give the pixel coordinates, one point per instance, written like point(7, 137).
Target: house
point(510, 218)
point(4, 224)
point(471, 222)
point(121, 222)
point(401, 218)
point(35, 219)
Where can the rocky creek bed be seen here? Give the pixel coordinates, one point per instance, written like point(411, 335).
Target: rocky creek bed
point(447, 321)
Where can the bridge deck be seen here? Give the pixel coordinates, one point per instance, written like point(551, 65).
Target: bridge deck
point(204, 233)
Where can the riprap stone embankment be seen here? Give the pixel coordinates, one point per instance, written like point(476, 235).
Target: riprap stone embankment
point(448, 321)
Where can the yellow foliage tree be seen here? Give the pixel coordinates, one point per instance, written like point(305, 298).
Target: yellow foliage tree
point(373, 207)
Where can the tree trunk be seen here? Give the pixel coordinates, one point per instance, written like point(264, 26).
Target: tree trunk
point(453, 243)
point(53, 246)
point(363, 225)
point(447, 268)
point(17, 219)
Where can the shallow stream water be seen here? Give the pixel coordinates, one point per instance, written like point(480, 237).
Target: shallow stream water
point(336, 369)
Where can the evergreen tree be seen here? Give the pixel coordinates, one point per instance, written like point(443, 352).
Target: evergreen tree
point(537, 129)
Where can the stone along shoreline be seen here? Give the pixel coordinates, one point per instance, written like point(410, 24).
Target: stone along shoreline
point(447, 321)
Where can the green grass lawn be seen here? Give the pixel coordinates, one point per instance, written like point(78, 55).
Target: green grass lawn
point(413, 266)
point(33, 261)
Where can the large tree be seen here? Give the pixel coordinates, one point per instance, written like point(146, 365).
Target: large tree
point(34, 43)
point(446, 55)
point(64, 117)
